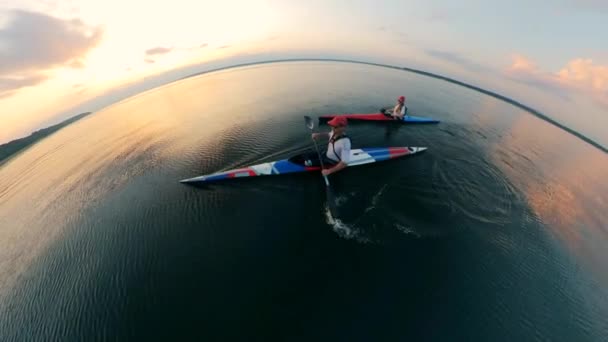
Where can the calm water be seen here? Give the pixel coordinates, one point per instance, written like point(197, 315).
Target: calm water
point(497, 233)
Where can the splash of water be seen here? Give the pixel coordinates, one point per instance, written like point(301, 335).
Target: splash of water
point(343, 229)
point(407, 230)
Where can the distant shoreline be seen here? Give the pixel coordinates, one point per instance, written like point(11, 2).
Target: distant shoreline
point(429, 74)
point(14, 147)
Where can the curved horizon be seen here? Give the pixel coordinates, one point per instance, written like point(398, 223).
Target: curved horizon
point(160, 174)
point(103, 57)
point(491, 93)
point(429, 74)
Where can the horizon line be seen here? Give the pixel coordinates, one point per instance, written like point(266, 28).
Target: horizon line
point(494, 94)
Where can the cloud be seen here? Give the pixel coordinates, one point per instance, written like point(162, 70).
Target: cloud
point(149, 60)
point(8, 83)
point(77, 64)
point(12, 84)
point(525, 71)
point(6, 94)
point(585, 74)
point(159, 50)
point(578, 74)
point(438, 14)
point(590, 5)
point(455, 58)
point(223, 47)
point(203, 45)
point(522, 64)
point(32, 43)
point(79, 88)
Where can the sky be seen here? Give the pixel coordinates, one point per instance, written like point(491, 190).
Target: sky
point(60, 58)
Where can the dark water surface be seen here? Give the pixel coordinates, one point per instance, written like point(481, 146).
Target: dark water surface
point(497, 233)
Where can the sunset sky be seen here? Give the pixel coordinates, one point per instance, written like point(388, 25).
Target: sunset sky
point(59, 58)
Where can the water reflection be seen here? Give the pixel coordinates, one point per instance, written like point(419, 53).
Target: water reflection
point(557, 183)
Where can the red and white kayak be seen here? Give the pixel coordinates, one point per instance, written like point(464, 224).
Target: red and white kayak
point(292, 165)
point(408, 119)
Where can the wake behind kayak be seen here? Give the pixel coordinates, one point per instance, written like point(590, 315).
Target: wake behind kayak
point(294, 164)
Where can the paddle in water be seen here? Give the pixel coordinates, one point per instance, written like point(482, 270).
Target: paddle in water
point(331, 201)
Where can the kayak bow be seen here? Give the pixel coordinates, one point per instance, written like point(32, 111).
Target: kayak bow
point(357, 157)
point(408, 119)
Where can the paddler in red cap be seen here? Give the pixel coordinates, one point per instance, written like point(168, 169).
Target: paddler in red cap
point(400, 110)
point(338, 149)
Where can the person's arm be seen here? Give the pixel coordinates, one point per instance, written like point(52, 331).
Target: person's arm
point(341, 165)
point(316, 136)
point(344, 159)
point(395, 110)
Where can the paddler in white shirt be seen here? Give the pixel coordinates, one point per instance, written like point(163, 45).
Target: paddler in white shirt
point(400, 110)
point(338, 148)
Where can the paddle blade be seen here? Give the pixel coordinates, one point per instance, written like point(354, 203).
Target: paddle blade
point(332, 203)
point(309, 122)
point(326, 181)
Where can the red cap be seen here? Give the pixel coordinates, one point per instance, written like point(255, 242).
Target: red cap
point(338, 121)
point(401, 99)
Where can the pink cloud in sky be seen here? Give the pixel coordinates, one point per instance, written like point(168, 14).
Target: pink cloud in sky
point(32, 43)
point(584, 73)
point(522, 64)
point(579, 74)
point(159, 50)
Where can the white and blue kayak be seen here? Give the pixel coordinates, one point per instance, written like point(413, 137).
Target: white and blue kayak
point(296, 164)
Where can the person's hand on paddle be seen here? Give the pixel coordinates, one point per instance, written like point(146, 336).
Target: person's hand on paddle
point(331, 201)
point(326, 172)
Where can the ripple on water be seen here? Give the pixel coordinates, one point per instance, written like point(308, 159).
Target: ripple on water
point(476, 189)
point(104, 240)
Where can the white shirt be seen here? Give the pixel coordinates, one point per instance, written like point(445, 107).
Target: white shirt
point(402, 111)
point(342, 148)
